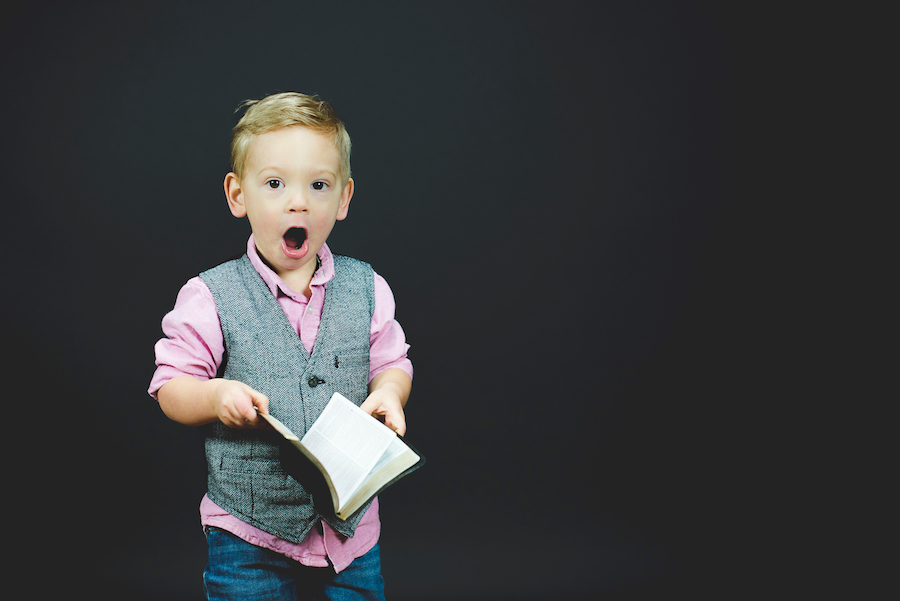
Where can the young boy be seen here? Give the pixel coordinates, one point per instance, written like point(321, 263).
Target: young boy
point(279, 330)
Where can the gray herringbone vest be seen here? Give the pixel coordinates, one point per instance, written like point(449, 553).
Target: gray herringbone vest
point(246, 475)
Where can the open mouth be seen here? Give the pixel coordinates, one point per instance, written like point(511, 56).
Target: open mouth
point(294, 238)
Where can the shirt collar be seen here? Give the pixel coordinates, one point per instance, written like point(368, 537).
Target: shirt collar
point(322, 276)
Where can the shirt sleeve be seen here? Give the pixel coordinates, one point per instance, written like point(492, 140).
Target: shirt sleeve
point(193, 343)
point(387, 345)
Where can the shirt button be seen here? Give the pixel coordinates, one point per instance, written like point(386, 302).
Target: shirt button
point(314, 381)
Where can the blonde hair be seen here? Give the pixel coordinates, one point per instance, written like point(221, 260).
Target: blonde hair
point(283, 110)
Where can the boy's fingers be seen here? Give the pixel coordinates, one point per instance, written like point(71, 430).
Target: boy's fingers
point(395, 420)
point(391, 417)
point(262, 403)
point(369, 406)
point(399, 428)
point(399, 422)
point(247, 409)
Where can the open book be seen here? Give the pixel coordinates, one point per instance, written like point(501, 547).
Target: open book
point(358, 455)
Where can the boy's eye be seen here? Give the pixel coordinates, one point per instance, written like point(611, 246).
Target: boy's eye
point(319, 185)
point(274, 184)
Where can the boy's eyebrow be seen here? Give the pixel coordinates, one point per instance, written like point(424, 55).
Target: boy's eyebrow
point(313, 170)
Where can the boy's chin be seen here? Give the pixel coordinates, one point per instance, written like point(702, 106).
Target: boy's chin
point(282, 262)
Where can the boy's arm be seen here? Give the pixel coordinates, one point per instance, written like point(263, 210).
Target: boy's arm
point(194, 402)
point(187, 361)
point(389, 388)
point(388, 393)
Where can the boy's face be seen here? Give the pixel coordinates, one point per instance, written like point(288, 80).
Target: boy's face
point(291, 192)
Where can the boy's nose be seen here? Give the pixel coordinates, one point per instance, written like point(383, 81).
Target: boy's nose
point(297, 203)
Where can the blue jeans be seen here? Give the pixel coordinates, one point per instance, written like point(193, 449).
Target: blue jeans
point(239, 570)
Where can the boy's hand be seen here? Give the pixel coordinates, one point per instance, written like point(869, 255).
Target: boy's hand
point(196, 402)
point(388, 393)
point(385, 406)
point(235, 404)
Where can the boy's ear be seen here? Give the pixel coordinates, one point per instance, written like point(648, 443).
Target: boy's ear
point(234, 196)
point(346, 195)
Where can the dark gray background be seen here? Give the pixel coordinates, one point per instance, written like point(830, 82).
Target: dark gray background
point(555, 192)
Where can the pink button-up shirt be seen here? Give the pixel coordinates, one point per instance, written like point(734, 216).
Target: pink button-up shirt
point(194, 346)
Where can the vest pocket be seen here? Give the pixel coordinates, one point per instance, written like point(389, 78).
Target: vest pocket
point(351, 376)
point(242, 465)
point(257, 488)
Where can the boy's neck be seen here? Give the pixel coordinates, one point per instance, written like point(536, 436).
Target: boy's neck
point(297, 280)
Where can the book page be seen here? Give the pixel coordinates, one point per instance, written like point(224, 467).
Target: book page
point(396, 459)
point(394, 450)
point(348, 443)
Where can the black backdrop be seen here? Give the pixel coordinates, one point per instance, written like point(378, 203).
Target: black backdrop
point(551, 190)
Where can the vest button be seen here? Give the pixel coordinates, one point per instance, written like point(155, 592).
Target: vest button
point(314, 381)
